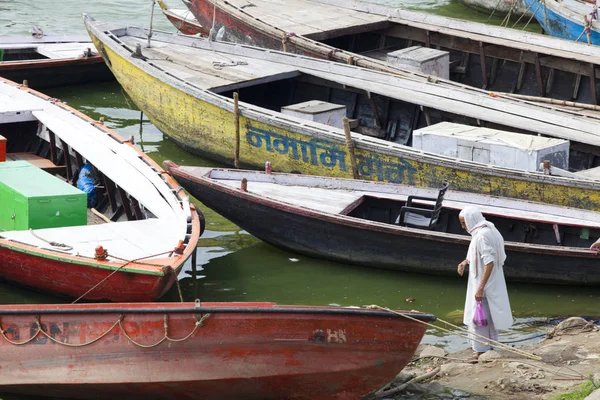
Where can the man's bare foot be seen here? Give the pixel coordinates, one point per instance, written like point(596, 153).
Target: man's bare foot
point(474, 358)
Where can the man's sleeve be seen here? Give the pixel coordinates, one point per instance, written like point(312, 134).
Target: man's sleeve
point(486, 250)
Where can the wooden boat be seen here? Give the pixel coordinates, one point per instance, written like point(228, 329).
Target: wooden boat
point(183, 20)
point(51, 61)
point(212, 350)
point(358, 222)
point(514, 8)
point(568, 19)
point(136, 239)
point(196, 79)
point(364, 33)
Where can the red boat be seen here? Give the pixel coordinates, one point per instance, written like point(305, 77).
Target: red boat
point(126, 240)
point(204, 351)
point(183, 20)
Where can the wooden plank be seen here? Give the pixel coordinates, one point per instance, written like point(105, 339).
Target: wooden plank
point(576, 86)
point(40, 162)
point(52, 147)
point(484, 76)
point(593, 84)
point(67, 153)
point(538, 75)
point(126, 203)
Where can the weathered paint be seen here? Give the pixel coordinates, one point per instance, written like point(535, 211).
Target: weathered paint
point(206, 129)
point(550, 16)
point(260, 350)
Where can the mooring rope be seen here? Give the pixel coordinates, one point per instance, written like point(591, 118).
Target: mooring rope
point(119, 268)
point(485, 341)
point(60, 246)
point(199, 322)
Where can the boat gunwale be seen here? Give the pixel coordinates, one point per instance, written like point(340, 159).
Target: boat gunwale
point(306, 127)
point(190, 308)
point(375, 226)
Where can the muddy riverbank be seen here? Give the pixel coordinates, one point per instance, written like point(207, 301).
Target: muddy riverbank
point(570, 357)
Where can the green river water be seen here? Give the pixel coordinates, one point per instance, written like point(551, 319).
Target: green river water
point(233, 265)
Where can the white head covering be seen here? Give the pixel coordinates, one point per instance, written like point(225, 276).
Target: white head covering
point(473, 219)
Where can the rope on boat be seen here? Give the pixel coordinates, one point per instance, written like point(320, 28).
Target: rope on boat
point(532, 15)
point(61, 246)
point(40, 329)
point(119, 268)
point(493, 11)
point(485, 341)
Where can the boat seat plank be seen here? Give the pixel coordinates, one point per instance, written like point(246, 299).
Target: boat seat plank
point(40, 162)
point(128, 240)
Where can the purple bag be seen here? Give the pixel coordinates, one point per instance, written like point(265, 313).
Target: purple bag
point(479, 318)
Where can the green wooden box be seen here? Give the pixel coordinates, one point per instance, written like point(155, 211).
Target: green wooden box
point(33, 198)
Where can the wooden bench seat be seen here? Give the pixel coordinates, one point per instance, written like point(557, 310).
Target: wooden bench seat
point(40, 162)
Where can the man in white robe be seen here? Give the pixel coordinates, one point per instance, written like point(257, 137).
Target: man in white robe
point(485, 259)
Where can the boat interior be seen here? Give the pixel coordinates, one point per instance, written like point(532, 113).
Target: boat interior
point(82, 187)
point(18, 52)
point(431, 209)
point(284, 89)
point(376, 115)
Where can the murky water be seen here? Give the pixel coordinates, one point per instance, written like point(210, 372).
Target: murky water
point(234, 266)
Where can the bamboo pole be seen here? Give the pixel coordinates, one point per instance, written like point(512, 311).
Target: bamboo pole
point(549, 100)
point(350, 146)
point(236, 114)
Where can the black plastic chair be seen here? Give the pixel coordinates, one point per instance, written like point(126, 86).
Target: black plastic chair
point(424, 216)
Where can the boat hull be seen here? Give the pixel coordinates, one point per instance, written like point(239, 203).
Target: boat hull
point(66, 277)
point(56, 73)
point(260, 350)
point(386, 246)
point(499, 8)
point(187, 27)
point(549, 16)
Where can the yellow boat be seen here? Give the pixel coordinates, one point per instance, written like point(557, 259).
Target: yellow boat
point(185, 86)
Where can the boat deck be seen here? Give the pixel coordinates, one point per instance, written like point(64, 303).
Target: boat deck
point(308, 19)
point(128, 240)
point(320, 196)
point(210, 69)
